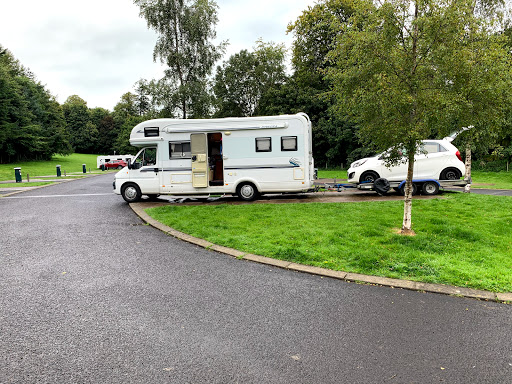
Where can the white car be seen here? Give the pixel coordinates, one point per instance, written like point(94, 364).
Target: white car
point(437, 160)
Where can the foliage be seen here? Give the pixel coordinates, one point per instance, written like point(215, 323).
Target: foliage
point(31, 121)
point(462, 240)
point(185, 29)
point(407, 70)
point(242, 80)
point(122, 143)
point(307, 90)
point(83, 133)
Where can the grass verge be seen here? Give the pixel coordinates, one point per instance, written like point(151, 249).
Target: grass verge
point(71, 163)
point(462, 240)
point(18, 185)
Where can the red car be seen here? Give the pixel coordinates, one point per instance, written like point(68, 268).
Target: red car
point(115, 164)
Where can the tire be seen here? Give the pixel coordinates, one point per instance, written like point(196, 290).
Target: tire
point(247, 192)
point(119, 167)
point(131, 193)
point(414, 189)
point(450, 174)
point(368, 177)
point(381, 186)
point(430, 188)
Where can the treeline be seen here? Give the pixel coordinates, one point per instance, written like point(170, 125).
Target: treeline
point(252, 82)
point(32, 124)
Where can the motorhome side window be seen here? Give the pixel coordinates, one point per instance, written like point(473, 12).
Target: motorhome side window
point(263, 144)
point(289, 143)
point(179, 150)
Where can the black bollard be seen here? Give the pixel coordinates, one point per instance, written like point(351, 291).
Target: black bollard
point(59, 174)
point(84, 169)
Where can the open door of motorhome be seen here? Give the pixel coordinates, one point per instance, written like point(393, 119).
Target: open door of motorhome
point(199, 153)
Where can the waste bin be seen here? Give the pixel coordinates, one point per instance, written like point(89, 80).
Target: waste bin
point(58, 171)
point(84, 169)
point(17, 174)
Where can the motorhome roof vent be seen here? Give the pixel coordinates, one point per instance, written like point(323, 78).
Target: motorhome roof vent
point(151, 132)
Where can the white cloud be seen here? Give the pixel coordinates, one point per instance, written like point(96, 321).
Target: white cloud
point(99, 49)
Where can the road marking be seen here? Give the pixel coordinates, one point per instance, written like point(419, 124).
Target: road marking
point(73, 195)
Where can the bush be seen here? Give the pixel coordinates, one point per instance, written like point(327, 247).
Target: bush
point(490, 166)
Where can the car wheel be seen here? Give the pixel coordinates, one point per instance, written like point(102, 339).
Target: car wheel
point(414, 189)
point(368, 177)
point(450, 174)
point(131, 193)
point(247, 191)
point(119, 167)
point(430, 188)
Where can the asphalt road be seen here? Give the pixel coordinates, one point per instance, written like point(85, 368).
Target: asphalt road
point(89, 294)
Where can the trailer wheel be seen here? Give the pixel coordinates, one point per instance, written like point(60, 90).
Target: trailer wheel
point(414, 189)
point(131, 193)
point(450, 174)
point(247, 191)
point(369, 177)
point(430, 188)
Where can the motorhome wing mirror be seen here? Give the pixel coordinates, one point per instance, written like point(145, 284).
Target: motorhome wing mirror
point(129, 164)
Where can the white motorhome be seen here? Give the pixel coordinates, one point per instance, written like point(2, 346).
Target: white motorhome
point(105, 159)
point(245, 156)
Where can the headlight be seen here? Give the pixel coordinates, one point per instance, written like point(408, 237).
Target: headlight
point(358, 163)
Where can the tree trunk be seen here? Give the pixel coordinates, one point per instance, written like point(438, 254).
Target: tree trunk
point(467, 177)
point(407, 222)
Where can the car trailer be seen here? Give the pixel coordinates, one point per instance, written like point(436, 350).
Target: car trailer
point(382, 186)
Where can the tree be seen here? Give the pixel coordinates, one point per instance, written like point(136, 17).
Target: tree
point(104, 122)
point(83, 133)
point(407, 70)
point(242, 80)
point(185, 29)
point(307, 90)
point(31, 121)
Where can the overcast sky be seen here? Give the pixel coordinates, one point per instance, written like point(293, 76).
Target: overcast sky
point(97, 49)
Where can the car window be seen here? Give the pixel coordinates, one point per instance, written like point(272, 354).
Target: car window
point(431, 147)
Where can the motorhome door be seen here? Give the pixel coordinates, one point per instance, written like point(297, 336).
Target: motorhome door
point(199, 152)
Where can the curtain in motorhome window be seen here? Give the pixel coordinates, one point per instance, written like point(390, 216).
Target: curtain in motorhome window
point(263, 144)
point(179, 150)
point(289, 143)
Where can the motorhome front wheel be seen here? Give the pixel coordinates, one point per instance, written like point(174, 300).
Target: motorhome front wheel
point(131, 193)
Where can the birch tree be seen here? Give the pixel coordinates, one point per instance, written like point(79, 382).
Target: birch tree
point(409, 70)
point(185, 31)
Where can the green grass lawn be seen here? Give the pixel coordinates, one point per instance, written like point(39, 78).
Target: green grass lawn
point(332, 174)
point(492, 180)
point(70, 164)
point(463, 240)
